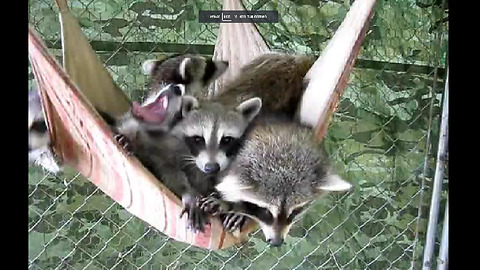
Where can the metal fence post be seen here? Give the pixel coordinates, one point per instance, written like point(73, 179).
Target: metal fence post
point(443, 254)
point(437, 185)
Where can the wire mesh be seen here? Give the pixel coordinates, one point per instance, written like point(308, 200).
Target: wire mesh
point(383, 139)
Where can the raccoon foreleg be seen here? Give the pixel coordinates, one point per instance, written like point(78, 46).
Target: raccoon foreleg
point(124, 142)
point(177, 182)
point(213, 205)
point(115, 126)
point(46, 158)
point(229, 212)
point(233, 221)
point(196, 216)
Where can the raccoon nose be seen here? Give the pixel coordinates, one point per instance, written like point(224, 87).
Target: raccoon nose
point(275, 242)
point(211, 167)
point(177, 90)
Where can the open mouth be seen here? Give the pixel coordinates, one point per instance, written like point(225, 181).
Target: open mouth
point(153, 111)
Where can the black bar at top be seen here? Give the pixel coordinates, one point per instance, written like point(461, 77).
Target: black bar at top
point(238, 16)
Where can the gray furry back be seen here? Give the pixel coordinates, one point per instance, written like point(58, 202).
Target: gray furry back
point(278, 79)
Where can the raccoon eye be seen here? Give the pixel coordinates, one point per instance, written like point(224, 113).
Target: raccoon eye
point(226, 140)
point(197, 139)
point(39, 126)
point(295, 212)
point(262, 213)
point(266, 213)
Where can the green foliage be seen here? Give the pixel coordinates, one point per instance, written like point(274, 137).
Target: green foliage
point(377, 140)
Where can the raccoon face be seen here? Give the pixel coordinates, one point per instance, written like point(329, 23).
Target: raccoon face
point(277, 173)
point(161, 109)
point(193, 71)
point(276, 212)
point(39, 151)
point(38, 135)
point(214, 133)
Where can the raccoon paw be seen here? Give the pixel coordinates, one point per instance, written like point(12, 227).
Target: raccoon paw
point(196, 217)
point(211, 205)
point(124, 142)
point(233, 221)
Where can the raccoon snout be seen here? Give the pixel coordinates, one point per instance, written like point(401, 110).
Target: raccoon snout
point(211, 167)
point(275, 242)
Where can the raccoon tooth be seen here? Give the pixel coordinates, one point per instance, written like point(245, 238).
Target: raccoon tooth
point(165, 102)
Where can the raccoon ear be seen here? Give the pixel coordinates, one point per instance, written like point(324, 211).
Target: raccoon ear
point(250, 108)
point(182, 69)
point(220, 68)
point(189, 104)
point(333, 182)
point(149, 65)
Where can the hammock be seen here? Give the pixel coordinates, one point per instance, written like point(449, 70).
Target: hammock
point(84, 141)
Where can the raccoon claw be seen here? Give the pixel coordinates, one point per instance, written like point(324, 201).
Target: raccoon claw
point(123, 141)
point(196, 218)
point(233, 221)
point(214, 195)
point(211, 205)
point(184, 210)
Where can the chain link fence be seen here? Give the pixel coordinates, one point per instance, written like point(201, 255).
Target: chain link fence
point(383, 139)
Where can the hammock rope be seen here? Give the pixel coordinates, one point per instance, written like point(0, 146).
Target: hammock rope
point(83, 140)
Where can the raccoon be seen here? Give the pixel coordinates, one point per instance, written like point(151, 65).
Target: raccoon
point(195, 72)
point(175, 150)
point(271, 82)
point(277, 79)
point(214, 132)
point(39, 151)
point(145, 131)
point(280, 169)
point(159, 112)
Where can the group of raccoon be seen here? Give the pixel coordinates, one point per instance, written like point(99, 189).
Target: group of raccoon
point(243, 154)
